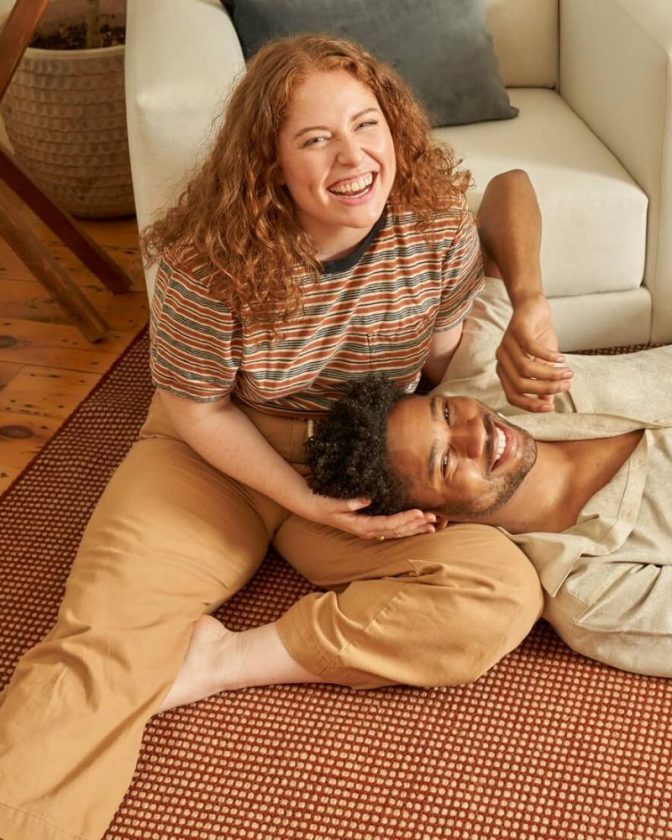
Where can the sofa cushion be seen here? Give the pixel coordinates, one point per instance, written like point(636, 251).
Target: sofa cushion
point(594, 214)
point(525, 38)
point(444, 53)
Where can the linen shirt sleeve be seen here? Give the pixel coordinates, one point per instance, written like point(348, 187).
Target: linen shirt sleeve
point(196, 345)
point(462, 272)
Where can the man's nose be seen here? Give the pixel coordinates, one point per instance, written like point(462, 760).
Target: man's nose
point(468, 437)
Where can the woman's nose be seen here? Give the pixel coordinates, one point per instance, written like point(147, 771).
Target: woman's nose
point(349, 151)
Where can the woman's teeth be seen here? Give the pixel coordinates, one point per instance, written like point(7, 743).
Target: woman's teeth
point(353, 187)
point(501, 446)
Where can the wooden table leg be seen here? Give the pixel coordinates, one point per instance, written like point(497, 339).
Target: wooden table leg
point(15, 36)
point(25, 242)
point(17, 33)
point(63, 225)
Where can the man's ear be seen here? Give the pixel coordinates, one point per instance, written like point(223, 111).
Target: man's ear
point(442, 520)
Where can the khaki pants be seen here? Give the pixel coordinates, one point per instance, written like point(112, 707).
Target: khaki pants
point(171, 539)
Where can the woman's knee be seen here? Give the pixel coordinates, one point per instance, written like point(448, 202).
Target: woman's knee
point(489, 596)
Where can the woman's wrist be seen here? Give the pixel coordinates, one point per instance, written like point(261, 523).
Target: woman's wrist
point(299, 498)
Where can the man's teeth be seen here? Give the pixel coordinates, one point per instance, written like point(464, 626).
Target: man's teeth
point(353, 186)
point(501, 446)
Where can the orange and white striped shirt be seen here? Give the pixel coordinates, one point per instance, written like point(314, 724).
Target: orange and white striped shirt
point(375, 310)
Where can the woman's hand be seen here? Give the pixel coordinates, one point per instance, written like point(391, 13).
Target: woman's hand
point(342, 514)
point(528, 363)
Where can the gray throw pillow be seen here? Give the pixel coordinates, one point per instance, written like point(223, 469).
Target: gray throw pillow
point(442, 48)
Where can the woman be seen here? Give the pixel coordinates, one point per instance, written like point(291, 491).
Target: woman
point(324, 237)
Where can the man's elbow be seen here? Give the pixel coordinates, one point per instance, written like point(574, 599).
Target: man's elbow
point(512, 176)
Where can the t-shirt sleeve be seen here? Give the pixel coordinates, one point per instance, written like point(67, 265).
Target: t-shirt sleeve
point(462, 272)
point(196, 343)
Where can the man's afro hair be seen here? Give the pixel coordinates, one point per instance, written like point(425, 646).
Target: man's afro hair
point(347, 455)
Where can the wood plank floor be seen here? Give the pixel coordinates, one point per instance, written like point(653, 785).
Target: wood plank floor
point(47, 367)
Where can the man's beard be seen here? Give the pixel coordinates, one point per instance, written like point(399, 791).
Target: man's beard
point(505, 485)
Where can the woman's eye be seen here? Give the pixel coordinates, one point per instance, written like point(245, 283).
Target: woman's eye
point(367, 123)
point(446, 412)
point(445, 461)
point(314, 141)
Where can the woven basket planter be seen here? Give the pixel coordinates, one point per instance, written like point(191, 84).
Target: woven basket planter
point(65, 115)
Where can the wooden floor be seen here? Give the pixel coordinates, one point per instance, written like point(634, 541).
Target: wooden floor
point(47, 367)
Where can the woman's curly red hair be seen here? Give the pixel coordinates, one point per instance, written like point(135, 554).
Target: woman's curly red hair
point(235, 211)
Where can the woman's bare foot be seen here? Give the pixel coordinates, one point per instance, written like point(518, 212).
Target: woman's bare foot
point(218, 659)
point(201, 671)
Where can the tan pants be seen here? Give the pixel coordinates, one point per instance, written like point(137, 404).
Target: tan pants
point(172, 538)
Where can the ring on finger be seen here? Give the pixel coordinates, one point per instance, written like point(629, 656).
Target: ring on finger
point(380, 538)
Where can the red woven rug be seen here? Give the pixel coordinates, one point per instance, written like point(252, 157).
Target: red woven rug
point(546, 745)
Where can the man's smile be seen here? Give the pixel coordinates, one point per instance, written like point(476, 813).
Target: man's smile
point(505, 446)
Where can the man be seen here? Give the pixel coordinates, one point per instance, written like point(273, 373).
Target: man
point(586, 491)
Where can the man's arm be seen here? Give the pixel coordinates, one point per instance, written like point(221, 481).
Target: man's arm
point(509, 223)
point(509, 227)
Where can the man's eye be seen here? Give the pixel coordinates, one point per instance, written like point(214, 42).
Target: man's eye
point(445, 462)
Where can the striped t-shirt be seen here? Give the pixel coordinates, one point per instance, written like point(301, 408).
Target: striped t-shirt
point(375, 310)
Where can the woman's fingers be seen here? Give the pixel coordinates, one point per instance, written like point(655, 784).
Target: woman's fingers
point(405, 524)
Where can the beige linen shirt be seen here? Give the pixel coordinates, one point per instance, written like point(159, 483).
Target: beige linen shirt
point(608, 579)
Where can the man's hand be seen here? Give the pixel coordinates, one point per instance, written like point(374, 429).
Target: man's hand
point(342, 514)
point(528, 363)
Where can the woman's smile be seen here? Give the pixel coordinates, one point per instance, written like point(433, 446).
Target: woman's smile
point(354, 190)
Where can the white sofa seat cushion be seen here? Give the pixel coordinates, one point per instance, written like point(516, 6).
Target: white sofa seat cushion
point(594, 228)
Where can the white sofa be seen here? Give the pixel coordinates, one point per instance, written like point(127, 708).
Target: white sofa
point(593, 82)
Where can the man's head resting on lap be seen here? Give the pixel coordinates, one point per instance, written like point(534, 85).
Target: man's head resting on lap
point(450, 455)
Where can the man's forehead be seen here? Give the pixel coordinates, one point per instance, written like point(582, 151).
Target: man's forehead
point(411, 438)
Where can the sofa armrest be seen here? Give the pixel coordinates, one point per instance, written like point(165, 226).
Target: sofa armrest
point(182, 57)
point(616, 74)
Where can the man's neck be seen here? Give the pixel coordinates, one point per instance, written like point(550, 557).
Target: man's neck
point(565, 476)
point(541, 493)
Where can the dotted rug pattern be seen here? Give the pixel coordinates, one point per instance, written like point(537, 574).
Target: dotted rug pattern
point(546, 745)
